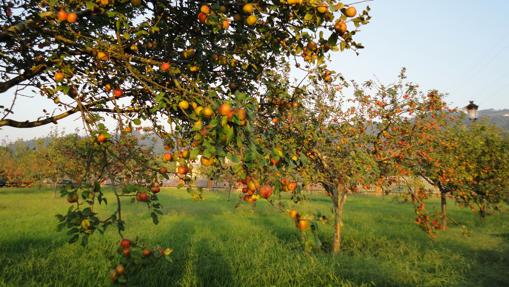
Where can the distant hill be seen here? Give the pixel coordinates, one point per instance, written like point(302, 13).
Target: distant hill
point(498, 117)
point(144, 140)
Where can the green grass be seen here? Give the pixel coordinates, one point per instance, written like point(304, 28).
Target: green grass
point(218, 245)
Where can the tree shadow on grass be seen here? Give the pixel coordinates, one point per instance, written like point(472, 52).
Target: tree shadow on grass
point(32, 190)
point(211, 268)
point(23, 251)
point(487, 267)
point(19, 247)
point(167, 273)
point(193, 263)
point(504, 236)
point(193, 208)
point(284, 231)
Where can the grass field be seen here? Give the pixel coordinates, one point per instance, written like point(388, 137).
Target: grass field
point(218, 245)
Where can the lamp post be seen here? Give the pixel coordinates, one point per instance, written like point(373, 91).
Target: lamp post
point(472, 110)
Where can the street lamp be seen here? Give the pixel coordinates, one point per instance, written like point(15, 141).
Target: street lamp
point(472, 111)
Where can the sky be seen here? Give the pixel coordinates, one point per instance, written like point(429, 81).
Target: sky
point(460, 47)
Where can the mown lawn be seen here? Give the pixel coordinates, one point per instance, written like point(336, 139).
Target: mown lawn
point(217, 244)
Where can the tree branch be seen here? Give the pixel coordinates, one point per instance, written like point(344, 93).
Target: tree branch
point(55, 119)
point(28, 74)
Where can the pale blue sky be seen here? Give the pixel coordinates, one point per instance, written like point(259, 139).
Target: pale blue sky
point(460, 47)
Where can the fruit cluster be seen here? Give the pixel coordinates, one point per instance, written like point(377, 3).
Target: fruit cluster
point(132, 255)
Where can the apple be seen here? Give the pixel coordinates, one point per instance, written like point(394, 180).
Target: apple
point(184, 153)
point(266, 191)
point(62, 15)
point(312, 46)
point(165, 66)
point(205, 9)
point(249, 198)
point(303, 224)
point(322, 8)
point(125, 243)
point(155, 188)
point(251, 185)
point(59, 76)
point(120, 269)
point(292, 186)
point(118, 93)
point(184, 105)
point(142, 196)
point(207, 112)
point(248, 8)
point(293, 214)
point(225, 24)
point(251, 20)
point(167, 156)
point(350, 11)
point(202, 17)
point(101, 138)
point(167, 251)
point(207, 161)
point(102, 56)
point(242, 114)
point(224, 109)
point(198, 110)
point(340, 27)
point(72, 17)
point(182, 169)
point(85, 224)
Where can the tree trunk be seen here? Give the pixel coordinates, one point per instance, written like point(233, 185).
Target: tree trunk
point(209, 184)
point(482, 212)
point(339, 203)
point(443, 206)
point(230, 185)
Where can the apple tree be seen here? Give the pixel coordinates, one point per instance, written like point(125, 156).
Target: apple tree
point(189, 71)
point(465, 162)
point(353, 142)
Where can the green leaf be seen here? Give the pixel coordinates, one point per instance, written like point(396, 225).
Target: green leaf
point(74, 238)
point(84, 240)
point(194, 153)
point(233, 158)
point(155, 219)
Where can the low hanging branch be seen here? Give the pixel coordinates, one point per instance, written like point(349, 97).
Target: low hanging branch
point(55, 119)
point(27, 75)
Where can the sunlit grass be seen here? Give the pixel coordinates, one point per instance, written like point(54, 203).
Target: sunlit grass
point(217, 244)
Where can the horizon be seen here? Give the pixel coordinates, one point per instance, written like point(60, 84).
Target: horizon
point(5, 141)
